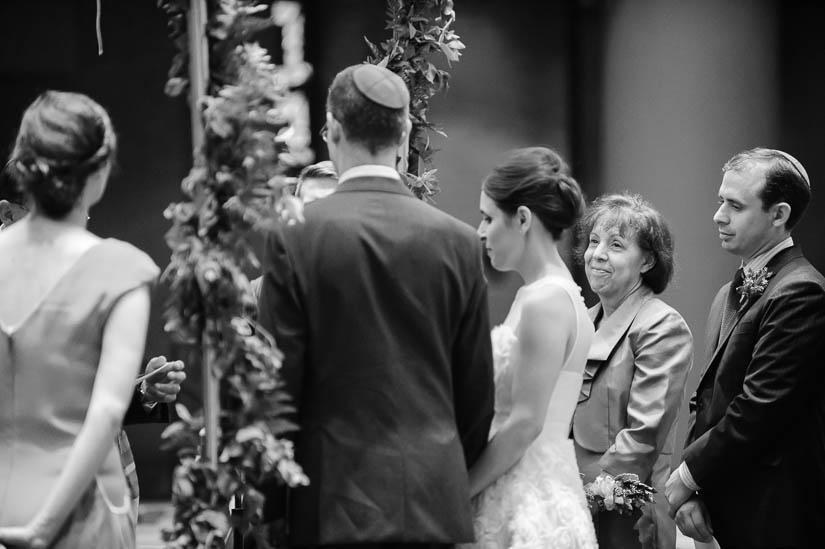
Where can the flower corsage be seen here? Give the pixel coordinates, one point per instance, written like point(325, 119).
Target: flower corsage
point(753, 284)
point(623, 493)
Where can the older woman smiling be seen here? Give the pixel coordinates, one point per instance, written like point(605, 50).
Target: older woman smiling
point(637, 365)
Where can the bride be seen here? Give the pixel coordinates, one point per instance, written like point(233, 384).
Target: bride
point(529, 491)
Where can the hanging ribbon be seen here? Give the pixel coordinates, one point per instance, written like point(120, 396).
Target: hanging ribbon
point(99, 34)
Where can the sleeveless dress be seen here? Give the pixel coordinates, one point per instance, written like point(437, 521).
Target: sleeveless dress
point(539, 503)
point(48, 363)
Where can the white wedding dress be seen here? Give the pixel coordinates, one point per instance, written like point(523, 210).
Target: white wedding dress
point(539, 503)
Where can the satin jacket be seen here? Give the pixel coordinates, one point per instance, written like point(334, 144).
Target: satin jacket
point(633, 384)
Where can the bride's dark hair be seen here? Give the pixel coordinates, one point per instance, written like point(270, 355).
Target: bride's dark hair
point(63, 138)
point(539, 179)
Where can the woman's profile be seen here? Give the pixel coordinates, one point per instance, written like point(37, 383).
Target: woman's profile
point(526, 482)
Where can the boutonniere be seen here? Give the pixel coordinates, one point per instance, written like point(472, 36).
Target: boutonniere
point(753, 284)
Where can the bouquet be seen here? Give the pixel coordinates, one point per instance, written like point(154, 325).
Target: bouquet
point(623, 493)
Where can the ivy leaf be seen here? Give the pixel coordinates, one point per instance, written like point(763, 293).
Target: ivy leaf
point(448, 52)
point(175, 86)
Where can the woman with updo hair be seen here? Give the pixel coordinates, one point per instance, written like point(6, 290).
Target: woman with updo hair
point(74, 310)
point(526, 485)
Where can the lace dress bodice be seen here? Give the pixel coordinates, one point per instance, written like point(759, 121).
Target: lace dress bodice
point(539, 503)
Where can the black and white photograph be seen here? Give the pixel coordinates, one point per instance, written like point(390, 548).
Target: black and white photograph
point(437, 274)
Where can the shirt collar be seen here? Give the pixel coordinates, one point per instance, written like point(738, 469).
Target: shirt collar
point(369, 170)
point(761, 260)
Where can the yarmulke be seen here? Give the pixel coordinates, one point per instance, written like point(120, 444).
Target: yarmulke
point(382, 86)
point(797, 166)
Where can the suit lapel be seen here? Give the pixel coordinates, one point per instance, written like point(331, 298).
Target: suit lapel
point(717, 309)
point(774, 266)
point(611, 332)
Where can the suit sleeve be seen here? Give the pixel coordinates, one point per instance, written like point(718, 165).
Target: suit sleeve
point(777, 386)
point(281, 312)
point(663, 352)
point(473, 391)
point(137, 413)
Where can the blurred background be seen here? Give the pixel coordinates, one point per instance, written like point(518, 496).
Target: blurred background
point(650, 96)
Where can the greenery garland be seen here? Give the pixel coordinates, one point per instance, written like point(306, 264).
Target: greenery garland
point(239, 178)
point(253, 139)
point(419, 28)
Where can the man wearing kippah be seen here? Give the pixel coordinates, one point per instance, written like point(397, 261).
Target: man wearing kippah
point(753, 471)
point(379, 304)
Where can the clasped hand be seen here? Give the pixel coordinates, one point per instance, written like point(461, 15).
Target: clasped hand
point(687, 509)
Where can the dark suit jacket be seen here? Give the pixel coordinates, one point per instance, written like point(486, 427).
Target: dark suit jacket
point(136, 413)
point(379, 304)
point(756, 444)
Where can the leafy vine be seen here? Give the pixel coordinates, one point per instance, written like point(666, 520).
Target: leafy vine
point(419, 28)
point(254, 138)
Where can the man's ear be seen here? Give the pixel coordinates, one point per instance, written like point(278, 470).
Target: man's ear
point(781, 212)
point(407, 129)
point(334, 130)
point(6, 212)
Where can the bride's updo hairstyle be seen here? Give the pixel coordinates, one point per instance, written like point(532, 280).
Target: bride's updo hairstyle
point(539, 179)
point(64, 137)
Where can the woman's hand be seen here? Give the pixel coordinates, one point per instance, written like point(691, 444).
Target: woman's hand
point(21, 536)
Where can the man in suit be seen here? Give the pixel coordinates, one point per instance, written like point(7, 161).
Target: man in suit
point(379, 304)
point(753, 473)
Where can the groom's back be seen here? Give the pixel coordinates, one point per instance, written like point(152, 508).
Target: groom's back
point(381, 311)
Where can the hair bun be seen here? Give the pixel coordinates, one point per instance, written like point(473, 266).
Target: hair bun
point(64, 137)
point(539, 179)
point(571, 192)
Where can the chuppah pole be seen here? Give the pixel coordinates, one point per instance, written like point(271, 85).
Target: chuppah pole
point(198, 78)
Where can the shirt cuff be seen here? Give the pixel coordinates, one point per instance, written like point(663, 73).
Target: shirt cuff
point(686, 477)
point(148, 405)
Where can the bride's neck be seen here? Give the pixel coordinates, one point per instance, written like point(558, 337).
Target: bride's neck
point(541, 261)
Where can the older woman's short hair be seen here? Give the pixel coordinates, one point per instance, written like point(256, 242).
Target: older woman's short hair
point(634, 217)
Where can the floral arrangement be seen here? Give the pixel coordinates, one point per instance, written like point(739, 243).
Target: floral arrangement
point(419, 28)
point(623, 493)
point(255, 136)
point(753, 285)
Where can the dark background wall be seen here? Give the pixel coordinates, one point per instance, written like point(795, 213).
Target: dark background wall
point(646, 95)
point(52, 44)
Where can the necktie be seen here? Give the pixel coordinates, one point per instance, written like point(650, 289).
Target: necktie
point(732, 302)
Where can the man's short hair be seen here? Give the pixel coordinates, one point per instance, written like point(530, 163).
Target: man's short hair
point(324, 170)
point(364, 121)
point(320, 170)
point(785, 179)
